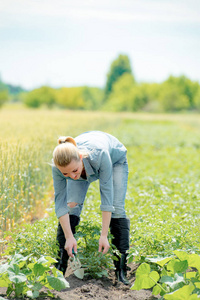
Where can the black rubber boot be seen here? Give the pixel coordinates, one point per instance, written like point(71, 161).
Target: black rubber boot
point(120, 228)
point(62, 254)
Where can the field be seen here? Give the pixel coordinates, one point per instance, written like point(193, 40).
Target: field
point(163, 196)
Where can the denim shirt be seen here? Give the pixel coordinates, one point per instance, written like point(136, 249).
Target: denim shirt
point(104, 150)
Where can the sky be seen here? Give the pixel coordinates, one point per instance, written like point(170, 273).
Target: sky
point(73, 42)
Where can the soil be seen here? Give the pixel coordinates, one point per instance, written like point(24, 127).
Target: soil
point(100, 289)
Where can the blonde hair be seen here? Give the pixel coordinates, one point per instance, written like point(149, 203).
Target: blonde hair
point(66, 151)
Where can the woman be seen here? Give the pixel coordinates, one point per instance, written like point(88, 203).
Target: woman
point(91, 156)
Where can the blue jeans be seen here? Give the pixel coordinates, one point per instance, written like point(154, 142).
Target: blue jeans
point(120, 180)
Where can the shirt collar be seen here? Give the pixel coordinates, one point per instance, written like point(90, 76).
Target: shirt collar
point(88, 168)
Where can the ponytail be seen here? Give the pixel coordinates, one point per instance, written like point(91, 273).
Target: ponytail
point(66, 139)
point(65, 152)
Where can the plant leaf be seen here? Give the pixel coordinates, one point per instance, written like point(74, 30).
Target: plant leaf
point(194, 261)
point(19, 278)
point(3, 268)
point(4, 281)
point(182, 255)
point(39, 269)
point(42, 260)
point(161, 261)
point(144, 278)
point(143, 269)
point(50, 259)
point(36, 294)
point(193, 297)
point(166, 279)
point(171, 264)
point(156, 290)
point(58, 283)
point(13, 269)
point(37, 286)
point(180, 266)
point(190, 275)
point(176, 282)
point(181, 294)
point(29, 294)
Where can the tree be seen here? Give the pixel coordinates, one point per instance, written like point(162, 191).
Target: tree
point(41, 96)
point(118, 67)
point(171, 99)
point(93, 97)
point(185, 87)
point(121, 96)
point(71, 98)
point(3, 97)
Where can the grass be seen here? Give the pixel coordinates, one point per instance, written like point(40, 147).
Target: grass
point(163, 152)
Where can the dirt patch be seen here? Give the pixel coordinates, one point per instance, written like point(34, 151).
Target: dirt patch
point(100, 289)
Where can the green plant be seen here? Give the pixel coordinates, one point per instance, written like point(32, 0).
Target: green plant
point(26, 276)
point(174, 278)
point(95, 264)
point(34, 239)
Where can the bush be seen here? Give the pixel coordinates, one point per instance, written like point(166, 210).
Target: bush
point(41, 96)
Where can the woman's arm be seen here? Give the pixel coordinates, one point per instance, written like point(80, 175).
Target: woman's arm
point(103, 241)
point(70, 240)
point(60, 188)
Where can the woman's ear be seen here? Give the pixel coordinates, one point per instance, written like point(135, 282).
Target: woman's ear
point(81, 156)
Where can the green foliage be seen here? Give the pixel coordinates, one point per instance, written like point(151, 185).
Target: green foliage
point(22, 176)
point(197, 99)
point(121, 93)
point(41, 96)
point(129, 96)
point(79, 98)
point(25, 153)
point(171, 98)
point(93, 98)
point(163, 191)
point(36, 239)
point(178, 93)
point(119, 66)
point(176, 277)
point(26, 276)
point(71, 98)
point(94, 263)
point(121, 96)
point(3, 97)
point(185, 88)
point(163, 186)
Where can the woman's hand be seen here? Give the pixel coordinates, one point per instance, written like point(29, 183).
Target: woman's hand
point(70, 245)
point(103, 241)
point(103, 244)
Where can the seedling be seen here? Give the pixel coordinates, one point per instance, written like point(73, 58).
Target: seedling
point(94, 263)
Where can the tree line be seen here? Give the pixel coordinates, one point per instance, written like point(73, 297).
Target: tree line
point(121, 93)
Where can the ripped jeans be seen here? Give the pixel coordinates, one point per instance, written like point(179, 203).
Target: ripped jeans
point(120, 180)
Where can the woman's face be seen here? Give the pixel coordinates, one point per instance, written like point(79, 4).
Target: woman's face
point(73, 170)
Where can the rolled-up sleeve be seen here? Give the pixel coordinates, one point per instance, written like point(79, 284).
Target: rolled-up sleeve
point(60, 189)
point(106, 182)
